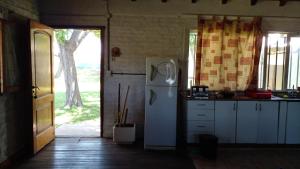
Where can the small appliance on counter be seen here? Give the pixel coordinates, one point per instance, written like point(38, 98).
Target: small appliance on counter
point(199, 92)
point(259, 94)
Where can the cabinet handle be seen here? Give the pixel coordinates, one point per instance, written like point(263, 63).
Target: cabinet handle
point(234, 107)
point(201, 104)
point(200, 114)
point(259, 107)
point(256, 106)
point(201, 126)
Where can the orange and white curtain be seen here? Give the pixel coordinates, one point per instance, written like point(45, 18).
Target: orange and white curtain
point(228, 53)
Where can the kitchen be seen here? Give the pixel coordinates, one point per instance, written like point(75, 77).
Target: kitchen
point(163, 29)
point(233, 108)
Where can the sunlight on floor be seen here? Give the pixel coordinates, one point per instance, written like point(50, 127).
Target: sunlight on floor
point(89, 128)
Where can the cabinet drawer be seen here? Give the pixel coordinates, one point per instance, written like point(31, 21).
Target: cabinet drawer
point(200, 126)
point(196, 104)
point(200, 115)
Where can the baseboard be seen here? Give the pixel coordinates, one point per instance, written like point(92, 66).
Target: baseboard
point(14, 159)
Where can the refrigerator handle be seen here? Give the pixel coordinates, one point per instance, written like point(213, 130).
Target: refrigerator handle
point(152, 97)
point(153, 72)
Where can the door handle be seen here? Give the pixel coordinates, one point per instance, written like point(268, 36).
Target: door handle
point(35, 87)
point(260, 107)
point(200, 104)
point(200, 114)
point(153, 72)
point(152, 97)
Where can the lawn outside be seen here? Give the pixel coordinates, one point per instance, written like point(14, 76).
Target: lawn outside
point(75, 121)
point(89, 86)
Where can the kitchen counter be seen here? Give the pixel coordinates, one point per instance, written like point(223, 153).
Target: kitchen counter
point(245, 98)
point(244, 120)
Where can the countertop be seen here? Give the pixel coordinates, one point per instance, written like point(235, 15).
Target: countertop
point(245, 98)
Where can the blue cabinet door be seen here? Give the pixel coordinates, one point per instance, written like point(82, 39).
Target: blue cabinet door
point(293, 123)
point(247, 122)
point(267, 122)
point(225, 121)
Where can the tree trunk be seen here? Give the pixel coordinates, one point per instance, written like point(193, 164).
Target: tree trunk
point(67, 65)
point(72, 89)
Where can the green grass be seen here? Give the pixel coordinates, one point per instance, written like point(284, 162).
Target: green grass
point(89, 86)
point(89, 111)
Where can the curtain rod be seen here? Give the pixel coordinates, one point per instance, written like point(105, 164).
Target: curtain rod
point(195, 14)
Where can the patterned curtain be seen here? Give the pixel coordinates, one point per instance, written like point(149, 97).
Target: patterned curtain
point(228, 53)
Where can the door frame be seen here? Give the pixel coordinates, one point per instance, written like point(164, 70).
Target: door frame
point(102, 45)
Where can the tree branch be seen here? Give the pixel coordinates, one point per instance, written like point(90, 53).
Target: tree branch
point(85, 33)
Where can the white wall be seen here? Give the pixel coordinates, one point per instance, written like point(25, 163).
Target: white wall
point(151, 28)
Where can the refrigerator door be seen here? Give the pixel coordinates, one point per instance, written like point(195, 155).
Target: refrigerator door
point(161, 71)
point(160, 117)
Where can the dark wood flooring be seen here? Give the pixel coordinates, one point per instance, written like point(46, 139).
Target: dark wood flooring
point(90, 153)
point(251, 158)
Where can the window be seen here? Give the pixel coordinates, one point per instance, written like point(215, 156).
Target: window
point(279, 62)
point(192, 58)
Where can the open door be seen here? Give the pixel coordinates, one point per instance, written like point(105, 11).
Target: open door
point(41, 37)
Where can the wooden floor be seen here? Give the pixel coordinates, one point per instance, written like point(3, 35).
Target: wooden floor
point(251, 158)
point(76, 153)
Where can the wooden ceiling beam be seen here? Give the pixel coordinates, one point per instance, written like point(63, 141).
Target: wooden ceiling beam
point(253, 2)
point(282, 2)
point(224, 1)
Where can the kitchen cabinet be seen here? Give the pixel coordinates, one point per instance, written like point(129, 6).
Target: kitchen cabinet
point(225, 121)
point(282, 122)
point(247, 122)
point(267, 122)
point(293, 123)
point(200, 119)
point(257, 122)
point(251, 121)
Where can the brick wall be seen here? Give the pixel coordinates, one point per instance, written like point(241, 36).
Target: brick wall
point(139, 37)
point(27, 8)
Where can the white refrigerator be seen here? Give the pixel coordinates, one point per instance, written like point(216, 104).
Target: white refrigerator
point(160, 103)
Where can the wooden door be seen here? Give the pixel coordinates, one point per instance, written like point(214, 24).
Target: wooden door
point(42, 85)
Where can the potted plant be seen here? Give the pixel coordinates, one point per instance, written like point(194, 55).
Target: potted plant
point(123, 132)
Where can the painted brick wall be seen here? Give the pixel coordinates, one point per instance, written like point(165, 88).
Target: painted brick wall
point(139, 37)
point(11, 104)
point(27, 8)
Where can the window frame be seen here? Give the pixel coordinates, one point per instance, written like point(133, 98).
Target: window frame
point(287, 56)
point(191, 32)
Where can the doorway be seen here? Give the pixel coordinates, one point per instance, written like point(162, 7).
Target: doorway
point(77, 82)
